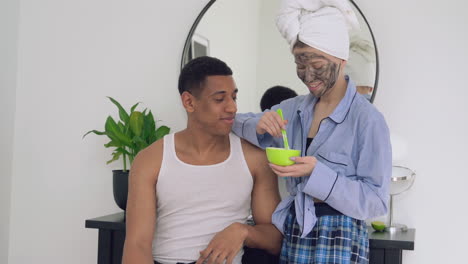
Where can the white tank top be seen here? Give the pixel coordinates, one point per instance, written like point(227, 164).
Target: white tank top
point(196, 202)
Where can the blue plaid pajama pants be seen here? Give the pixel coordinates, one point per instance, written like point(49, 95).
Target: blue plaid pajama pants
point(336, 239)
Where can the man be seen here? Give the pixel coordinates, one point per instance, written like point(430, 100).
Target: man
point(190, 194)
point(275, 95)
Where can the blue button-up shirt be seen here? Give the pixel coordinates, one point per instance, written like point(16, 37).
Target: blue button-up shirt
point(353, 151)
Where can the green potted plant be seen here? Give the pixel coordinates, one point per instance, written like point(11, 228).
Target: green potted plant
point(130, 134)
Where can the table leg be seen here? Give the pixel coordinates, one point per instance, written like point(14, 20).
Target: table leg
point(393, 256)
point(118, 240)
point(104, 247)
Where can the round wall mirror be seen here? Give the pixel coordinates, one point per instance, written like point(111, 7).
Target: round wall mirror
point(243, 34)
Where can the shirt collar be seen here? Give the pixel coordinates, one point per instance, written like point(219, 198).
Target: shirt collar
point(340, 112)
point(310, 100)
point(342, 109)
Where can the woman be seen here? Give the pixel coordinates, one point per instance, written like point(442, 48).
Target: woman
point(343, 175)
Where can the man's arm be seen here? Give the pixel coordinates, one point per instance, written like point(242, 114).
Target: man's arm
point(265, 198)
point(141, 205)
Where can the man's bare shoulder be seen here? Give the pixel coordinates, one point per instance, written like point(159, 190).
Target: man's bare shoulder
point(148, 161)
point(251, 148)
point(254, 155)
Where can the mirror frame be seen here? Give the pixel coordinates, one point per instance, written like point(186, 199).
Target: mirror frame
point(187, 44)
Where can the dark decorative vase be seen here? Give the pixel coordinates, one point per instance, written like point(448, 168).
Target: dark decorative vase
point(120, 187)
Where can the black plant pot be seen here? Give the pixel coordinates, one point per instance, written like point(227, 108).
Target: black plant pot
point(120, 187)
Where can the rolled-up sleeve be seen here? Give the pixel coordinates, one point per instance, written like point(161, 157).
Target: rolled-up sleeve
point(321, 181)
point(245, 126)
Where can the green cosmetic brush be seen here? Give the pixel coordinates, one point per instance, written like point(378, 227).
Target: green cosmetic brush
point(283, 132)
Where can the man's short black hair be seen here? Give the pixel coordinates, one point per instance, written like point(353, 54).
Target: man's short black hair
point(275, 95)
point(195, 72)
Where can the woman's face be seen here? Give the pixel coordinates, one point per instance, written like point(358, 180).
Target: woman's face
point(317, 70)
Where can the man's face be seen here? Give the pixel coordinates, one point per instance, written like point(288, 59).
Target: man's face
point(317, 70)
point(215, 106)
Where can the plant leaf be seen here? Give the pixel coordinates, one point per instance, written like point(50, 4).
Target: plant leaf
point(161, 132)
point(122, 113)
point(95, 132)
point(115, 156)
point(121, 126)
point(111, 144)
point(137, 139)
point(136, 122)
point(114, 132)
point(148, 127)
point(140, 144)
point(133, 107)
point(150, 121)
point(122, 150)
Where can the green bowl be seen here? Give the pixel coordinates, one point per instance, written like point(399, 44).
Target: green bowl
point(280, 156)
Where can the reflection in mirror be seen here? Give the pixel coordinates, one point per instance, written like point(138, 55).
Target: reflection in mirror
point(362, 65)
point(260, 57)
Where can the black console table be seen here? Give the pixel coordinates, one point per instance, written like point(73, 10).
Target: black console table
point(385, 248)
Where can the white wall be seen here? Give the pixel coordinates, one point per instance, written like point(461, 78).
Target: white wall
point(71, 54)
point(8, 44)
point(240, 55)
point(422, 94)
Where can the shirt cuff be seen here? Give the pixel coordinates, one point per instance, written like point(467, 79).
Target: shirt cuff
point(321, 182)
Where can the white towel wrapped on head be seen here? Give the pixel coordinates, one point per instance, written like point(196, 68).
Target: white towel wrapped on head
point(361, 65)
point(321, 24)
